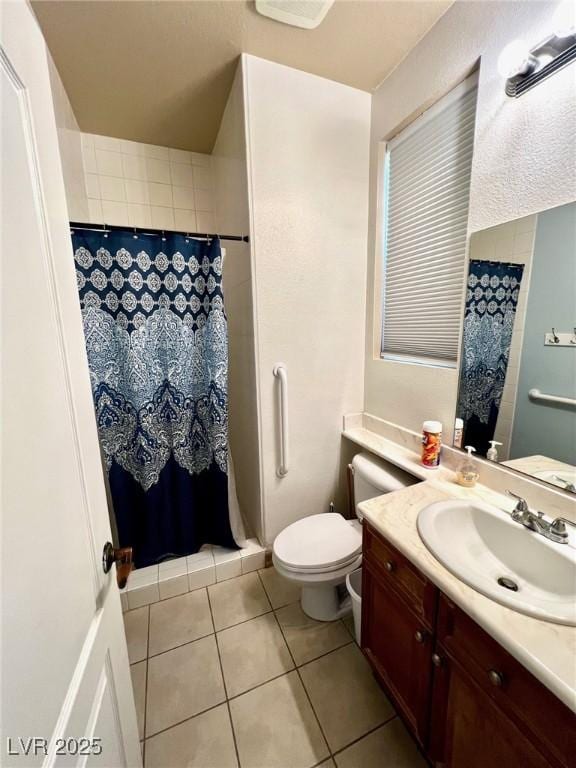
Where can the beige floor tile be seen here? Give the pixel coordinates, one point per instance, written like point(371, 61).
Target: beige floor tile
point(280, 591)
point(237, 600)
point(179, 620)
point(252, 653)
point(138, 673)
point(389, 747)
point(308, 638)
point(205, 741)
point(345, 696)
point(327, 764)
point(348, 622)
point(275, 726)
point(182, 683)
point(136, 626)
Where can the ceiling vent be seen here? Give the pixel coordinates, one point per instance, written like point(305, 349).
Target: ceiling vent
point(298, 13)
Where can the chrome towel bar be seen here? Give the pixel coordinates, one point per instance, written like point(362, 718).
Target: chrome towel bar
point(535, 394)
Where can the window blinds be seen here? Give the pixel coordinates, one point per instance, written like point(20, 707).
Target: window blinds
point(425, 217)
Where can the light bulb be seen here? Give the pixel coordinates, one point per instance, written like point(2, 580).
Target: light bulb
point(515, 59)
point(564, 19)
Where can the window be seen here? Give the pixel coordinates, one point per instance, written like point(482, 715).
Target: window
point(426, 187)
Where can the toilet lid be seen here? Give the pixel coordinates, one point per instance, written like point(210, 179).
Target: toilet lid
point(319, 542)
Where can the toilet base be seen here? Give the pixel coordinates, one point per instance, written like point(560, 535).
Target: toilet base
point(326, 603)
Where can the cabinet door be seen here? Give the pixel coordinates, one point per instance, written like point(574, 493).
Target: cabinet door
point(468, 730)
point(399, 649)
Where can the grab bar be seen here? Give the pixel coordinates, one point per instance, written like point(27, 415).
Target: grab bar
point(282, 375)
point(535, 394)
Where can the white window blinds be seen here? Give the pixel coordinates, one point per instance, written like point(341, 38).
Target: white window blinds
point(426, 192)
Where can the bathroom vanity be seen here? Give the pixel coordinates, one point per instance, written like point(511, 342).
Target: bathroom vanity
point(468, 700)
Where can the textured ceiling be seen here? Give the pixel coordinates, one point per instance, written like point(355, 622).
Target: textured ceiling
point(160, 72)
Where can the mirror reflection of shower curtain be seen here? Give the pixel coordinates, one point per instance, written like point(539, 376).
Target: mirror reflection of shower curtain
point(491, 302)
point(157, 344)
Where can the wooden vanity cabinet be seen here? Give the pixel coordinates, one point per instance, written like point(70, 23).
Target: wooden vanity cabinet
point(466, 700)
point(398, 614)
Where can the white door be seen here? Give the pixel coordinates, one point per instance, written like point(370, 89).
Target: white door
point(65, 684)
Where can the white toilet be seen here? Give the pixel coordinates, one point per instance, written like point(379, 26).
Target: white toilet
point(319, 551)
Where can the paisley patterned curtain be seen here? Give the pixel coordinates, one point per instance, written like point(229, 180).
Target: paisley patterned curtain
point(157, 345)
point(491, 301)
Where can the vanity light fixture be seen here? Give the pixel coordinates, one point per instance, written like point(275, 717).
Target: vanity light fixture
point(524, 68)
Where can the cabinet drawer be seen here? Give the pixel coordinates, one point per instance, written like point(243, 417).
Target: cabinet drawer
point(398, 571)
point(523, 698)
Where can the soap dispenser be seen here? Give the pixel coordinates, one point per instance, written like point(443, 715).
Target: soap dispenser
point(468, 474)
point(492, 454)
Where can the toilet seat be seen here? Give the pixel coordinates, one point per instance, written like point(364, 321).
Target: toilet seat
point(318, 544)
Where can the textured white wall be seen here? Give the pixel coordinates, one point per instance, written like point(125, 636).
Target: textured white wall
point(524, 160)
point(232, 216)
point(308, 142)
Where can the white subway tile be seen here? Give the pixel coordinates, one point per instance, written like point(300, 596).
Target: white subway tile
point(114, 213)
point(109, 163)
point(143, 596)
point(176, 567)
point(134, 167)
point(162, 218)
point(228, 570)
point(253, 562)
point(136, 191)
point(155, 151)
point(133, 148)
point(160, 194)
point(203, 200)
point(180, 156)
point(142, 577)
point(183, 197)
point(185, 220)
point(95, 212)
point(205, 222)
point(182, 175)
point(197, 158)
point(158, 170)
point(92, 186)
point(86, 141)
point(139, 215)
point(202, 578)
point(202, 177)
point(112, 188)
point(173, 586)
point(200, 561)
point(108, 143)
point(89, 160)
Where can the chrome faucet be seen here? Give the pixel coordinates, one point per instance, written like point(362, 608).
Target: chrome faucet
point(555, 530)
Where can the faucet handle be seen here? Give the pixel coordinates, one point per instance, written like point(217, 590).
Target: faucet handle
point(558, 527)
point(522, 505)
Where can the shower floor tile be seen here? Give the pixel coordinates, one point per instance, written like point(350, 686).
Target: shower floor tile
point(269, 688)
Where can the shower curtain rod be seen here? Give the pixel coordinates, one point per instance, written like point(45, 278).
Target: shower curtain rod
point(150, 231)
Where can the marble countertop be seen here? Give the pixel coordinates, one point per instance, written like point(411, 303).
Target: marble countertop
point(548, 650)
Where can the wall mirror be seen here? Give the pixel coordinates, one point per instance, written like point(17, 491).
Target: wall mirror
point(517, 383)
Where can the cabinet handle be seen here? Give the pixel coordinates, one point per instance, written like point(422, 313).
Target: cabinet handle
point(496, 678)
point(419, 636)
point(436, 660)
point(389, 565)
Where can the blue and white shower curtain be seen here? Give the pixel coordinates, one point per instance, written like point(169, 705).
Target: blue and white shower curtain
point(156, 338)
point(491, 301)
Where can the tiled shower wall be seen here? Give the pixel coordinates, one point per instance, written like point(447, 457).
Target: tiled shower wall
point(143, 185)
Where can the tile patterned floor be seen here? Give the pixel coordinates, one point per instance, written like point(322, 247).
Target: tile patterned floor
point(237, 676)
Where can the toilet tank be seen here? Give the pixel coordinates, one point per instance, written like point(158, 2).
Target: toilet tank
point(373, 477)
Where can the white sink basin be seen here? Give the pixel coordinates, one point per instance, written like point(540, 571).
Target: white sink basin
point(563, 478)
point(481, 544)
